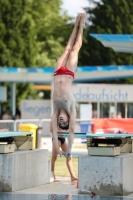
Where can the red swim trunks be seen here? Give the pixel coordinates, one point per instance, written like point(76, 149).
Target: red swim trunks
point(63, 70)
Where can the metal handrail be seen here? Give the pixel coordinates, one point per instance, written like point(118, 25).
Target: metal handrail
point(45, 120)
point(24, 120)
point(83, 120)
point(37, 120)
point(7, 121)
point(77, 120)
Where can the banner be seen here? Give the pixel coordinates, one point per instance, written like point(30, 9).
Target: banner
point(35, 109)
point(102, 93)
point(112, 125)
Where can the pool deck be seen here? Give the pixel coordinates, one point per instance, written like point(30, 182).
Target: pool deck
point(65, 186)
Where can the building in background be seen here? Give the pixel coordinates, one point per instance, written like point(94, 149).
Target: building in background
point(108, 100)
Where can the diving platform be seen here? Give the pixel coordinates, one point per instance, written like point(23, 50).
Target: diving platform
point(11, 141)
point(109, 144)
point(13, 134)
point(106, 144)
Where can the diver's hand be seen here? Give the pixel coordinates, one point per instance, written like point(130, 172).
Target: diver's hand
point(67, 154)
point(60, 152)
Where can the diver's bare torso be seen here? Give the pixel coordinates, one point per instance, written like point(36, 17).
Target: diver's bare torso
point(63, 95)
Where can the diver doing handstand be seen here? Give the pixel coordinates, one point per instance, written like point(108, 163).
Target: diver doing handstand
point(64, 112)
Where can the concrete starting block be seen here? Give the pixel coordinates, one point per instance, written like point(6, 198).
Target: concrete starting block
point(106, 175)
point(24, 169)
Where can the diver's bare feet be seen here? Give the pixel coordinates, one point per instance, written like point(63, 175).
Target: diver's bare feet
point(74, 178)
point(83, 19)
point(56, 180)
point(78, 18)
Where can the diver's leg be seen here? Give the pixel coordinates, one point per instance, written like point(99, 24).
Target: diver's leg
point(69, 163)
point(63, 59)
point(70, 168)
point(73, 57)
point(53, 160)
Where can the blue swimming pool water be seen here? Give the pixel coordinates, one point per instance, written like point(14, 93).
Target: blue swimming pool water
point(9, 196)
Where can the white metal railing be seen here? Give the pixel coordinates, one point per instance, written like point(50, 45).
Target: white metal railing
point(23, 120)
point(45, 120)
point(8, 121)
point(83, 120)
point(39, 121)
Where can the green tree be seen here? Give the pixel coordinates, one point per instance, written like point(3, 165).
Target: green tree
point(53, 29)
point(32, 33)
point(107, 16)
point(18, 46)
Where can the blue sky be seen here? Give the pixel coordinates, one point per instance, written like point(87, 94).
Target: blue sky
point(74, 7)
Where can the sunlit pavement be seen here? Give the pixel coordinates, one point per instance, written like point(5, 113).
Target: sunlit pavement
point(65, 186)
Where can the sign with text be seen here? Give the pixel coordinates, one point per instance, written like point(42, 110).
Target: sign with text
point(103, 93)
point(36, 109)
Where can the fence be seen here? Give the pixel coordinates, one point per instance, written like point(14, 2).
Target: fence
point(13, 125)
point(99, 125)
point(7, 124)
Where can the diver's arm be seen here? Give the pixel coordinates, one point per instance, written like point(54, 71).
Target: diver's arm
point(71, 129)
point(53, 129)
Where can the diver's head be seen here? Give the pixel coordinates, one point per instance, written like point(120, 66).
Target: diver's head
point(63, 120)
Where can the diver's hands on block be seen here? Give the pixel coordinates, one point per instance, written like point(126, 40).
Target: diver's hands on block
point(67, 154)
point(60, 152)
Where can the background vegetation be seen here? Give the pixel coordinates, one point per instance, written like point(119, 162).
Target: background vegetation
point(33, 34)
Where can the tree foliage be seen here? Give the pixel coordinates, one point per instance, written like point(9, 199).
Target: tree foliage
point(17, 34)
point(53, 30)
point(107, 16)
point(18, 41)
point(32, 33)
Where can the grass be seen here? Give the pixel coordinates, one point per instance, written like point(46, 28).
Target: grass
point(61, 167)
point(81, 146)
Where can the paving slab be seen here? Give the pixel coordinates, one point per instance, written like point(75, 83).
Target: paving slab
point(65, 186)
